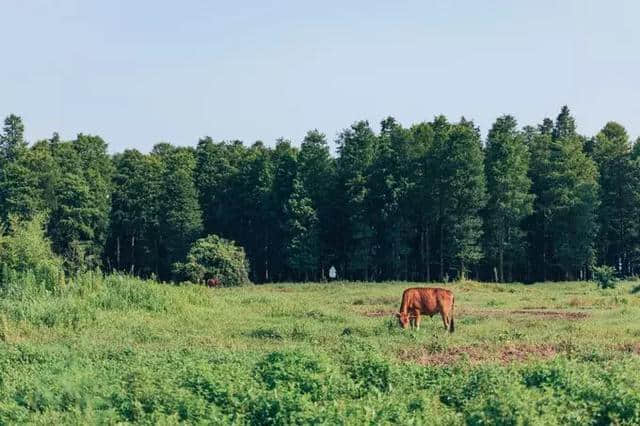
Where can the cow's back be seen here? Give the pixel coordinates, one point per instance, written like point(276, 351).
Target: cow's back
point(427, 299)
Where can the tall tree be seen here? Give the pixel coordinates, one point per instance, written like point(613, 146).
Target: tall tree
point(135, 213)
point(317, 172)
point(285, 170)
point(467, 189)
point(253, 187)
point(538, 224)
point(303, 239)
point(180, 216)
point(79, 221)
point(20, 194)
point(509, 201)
point(356, 148)
point(423, 196)
point(12, 142)
point(573, 191)
point(618, 208)
point(388, 183)
point(455, 163)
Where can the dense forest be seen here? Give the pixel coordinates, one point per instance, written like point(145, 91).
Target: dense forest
point(429, 202)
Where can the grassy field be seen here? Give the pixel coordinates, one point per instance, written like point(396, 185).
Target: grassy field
point(115, 349)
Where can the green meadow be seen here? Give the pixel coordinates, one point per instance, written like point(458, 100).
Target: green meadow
point(114, 349)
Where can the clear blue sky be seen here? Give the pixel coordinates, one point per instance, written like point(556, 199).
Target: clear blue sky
point(140, 72)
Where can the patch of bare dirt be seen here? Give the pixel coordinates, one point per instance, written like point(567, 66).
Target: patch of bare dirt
point(555, 314)
point(630, 348)
point(569, 315)
point(378, 314)
point(523, 352)
point(476, 355)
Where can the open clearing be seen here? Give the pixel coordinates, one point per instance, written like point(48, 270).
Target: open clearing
point(124, 350)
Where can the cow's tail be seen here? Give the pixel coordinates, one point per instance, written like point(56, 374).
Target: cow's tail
point(452, 326)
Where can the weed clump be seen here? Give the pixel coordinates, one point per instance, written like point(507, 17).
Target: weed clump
point(605, 276)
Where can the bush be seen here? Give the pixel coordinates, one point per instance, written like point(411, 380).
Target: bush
point(215, 257)
point(26, 257)
point(605, 276)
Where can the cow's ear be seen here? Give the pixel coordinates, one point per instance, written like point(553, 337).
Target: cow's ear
point(397, 314)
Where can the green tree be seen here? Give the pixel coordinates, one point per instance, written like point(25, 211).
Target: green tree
point(81, 199)
point(538, 224)
point(284, 159)
point(423, 195)
point(135, 212)
point(468, 193)
point(509, 200)
point(573, 192)
point(456, 165)
point(317, 171)
point(12, 142)
point(356, 148)
point(618, 185)
point(303, 247)
point(388, 191)
point(254, 214)
point(19, 190)
point(214, 257)
point(180, 217)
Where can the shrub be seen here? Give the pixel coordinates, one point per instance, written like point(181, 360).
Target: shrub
point(215, 257)
point(26, 257)
point(605, 276)
point(294, 370)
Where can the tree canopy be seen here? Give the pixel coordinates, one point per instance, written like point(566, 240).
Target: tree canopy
point(432, 201)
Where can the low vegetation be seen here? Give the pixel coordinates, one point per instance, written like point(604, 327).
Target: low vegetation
point(108, 349)
point(215, 258)
point(605, 276)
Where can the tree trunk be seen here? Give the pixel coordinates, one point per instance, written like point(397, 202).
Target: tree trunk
point(133, 253)
point(441, 251)
point(118, 252)
point(501, 263)
point(427, 251)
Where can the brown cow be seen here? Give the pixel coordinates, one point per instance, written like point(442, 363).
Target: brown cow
point(213, 282)
point(429, 301)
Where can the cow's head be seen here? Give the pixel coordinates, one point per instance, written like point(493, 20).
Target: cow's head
point(403, 319)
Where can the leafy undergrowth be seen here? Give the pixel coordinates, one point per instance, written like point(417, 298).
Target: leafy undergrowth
point(115, 349)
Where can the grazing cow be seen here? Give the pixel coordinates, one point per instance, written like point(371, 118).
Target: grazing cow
point(428, 301)
point(213, 282)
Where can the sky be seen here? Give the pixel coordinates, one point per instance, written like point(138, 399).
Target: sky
point(140, 72)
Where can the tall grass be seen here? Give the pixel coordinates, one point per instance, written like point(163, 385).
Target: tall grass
point(117, 349)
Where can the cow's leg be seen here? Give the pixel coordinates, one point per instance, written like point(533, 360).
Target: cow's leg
point(446, 318)
point(417, 314)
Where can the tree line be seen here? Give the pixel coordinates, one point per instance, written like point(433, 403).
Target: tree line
point(429, 202)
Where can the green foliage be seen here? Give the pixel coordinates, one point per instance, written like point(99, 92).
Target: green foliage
point(421, 202)
point(356, 147)
point(115, 349)
point(619, 180)
point(215, 257)
point(457, 159)
point(565, 183)
point(180, 215)
point(303, 247)
point(133, 239)
point(604, 276)
point(26, 257)
point(81, 200)
point(510, 200)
